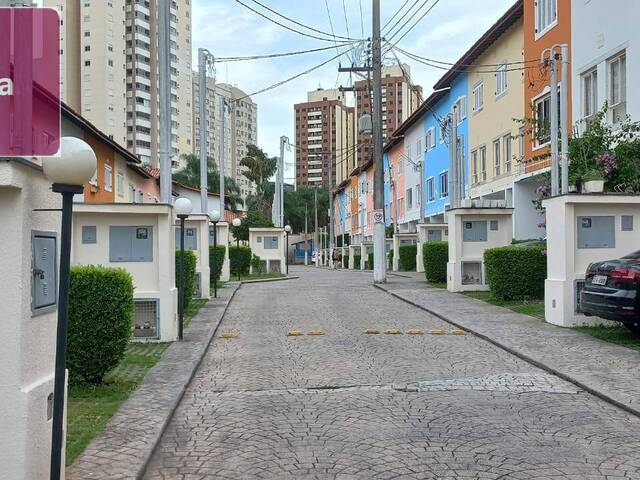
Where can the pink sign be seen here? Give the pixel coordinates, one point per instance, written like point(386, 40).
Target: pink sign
point(29, 81)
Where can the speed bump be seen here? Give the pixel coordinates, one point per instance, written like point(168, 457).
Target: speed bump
point(437, 331)
point(392, 331)
point(294, 333)
point(372, 331)
point(457, 331)
point(315, 333)
point(414, 331)
point(228, 335)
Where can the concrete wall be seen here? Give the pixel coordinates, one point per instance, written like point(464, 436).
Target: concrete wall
point(27, 345)
point(201, 224)
point(270, 256)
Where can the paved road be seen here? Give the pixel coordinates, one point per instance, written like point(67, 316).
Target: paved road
point(350, 405)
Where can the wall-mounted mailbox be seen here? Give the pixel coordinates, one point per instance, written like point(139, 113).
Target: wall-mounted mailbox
point(474, 231)
point(44, 271)
point(596, 232)
point(130, 244)
point(627, 223)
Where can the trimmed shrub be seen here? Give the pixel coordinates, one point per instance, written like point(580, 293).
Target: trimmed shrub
point(356, 262)
point(435, 256)
point(100, 321)
point(407, 258)
point(189, 275)
point(256, 264)
point(370, 261)
point(239, 259)
point(516, 273)
point(216, 261)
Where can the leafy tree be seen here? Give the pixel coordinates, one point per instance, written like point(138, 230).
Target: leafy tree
point(253, 219)
point(259, 168)
point(294, 208)
point(189, 175)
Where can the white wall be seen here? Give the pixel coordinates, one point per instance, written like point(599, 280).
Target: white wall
point(526, 217)
point(27, 344)
point(600, 29)
point(411, 172)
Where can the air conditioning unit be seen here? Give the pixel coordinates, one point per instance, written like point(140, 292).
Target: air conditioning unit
point(146, 318)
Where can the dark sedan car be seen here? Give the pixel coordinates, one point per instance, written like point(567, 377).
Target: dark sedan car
point(612, 291)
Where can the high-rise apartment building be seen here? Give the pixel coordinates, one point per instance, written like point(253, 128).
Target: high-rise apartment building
point(109, 70)
point(325, 138)
point(240, 128)
point(400, 98)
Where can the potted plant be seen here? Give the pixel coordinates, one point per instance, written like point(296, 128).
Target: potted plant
point(593, 182)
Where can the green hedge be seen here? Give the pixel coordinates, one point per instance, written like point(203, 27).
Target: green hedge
point(516, 273)
point(216, 261)
point(407, 259)
point(100, 321)
point(390, 259)
point(356, 262)
point(435, 256)
point(370, 261)
point(256, 264)
point(240, 260)
point(345, 261)
point(189, 275)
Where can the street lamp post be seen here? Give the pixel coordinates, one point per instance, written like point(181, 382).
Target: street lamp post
point(68, 173)
point(287, 231)
point(214, 216)
point(236, 223)
point(183, 208)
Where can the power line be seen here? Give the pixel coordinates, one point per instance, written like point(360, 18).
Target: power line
point(395, 14)
point(290, 28)
point(416, 23)
point(346, 21)
point(361, 19)
point(302, 24)
point(413, 10)
point(271, 55)
point(517, 62)
point(326, 4)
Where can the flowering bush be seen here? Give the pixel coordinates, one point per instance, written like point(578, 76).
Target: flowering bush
point(607, 161)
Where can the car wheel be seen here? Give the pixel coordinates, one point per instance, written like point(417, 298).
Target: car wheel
point(634, 328)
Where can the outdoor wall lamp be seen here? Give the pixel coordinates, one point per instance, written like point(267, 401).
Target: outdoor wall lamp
point(68, 172)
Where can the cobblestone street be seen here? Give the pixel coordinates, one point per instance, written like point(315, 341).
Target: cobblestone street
point(352, 405)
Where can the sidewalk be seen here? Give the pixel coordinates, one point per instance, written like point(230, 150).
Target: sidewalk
point(608, 371)
point(124, 448)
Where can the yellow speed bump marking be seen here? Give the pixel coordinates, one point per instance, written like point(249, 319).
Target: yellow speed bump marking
point(228, 335)
point(316, 332)
point(392, 331)
point(437, 331)
point(414, 331)
point(372, 331)
point(457, 331)
point(294, 333)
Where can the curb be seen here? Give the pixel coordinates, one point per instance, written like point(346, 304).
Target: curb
point(520, 355)
point(268, 280)
point(205, 348)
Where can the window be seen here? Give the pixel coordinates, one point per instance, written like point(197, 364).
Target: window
point(431, 190)
point(617, 87)
point(130, 244)
point(108, 178)
point(501, 79)
point(543, 119)
point(546, 15)
point(270, 243)
point(483, 164)
point(461, 109)
point(589, 95)
point(444, 184)
point(430, 139)
point(506, 148)
point(132, 194)
point(418, 148)
point(418, 196)
point(120, 184)
point(496, 158)
point(474, 166)
point(478, 97)
point(409, 197)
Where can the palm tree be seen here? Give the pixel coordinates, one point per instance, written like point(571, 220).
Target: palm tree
point(189, 175)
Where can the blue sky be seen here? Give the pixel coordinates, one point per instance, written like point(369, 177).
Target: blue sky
point(226, 28)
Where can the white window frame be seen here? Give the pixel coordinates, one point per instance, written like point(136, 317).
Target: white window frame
point(444, 184)
point(497, 154)
point(617, 106)
point(430, 139)
point(461, 110)
point(483, 163)
point(108, 178)
point(474, 166)
point(120, 183)
point(541, 99)
point(478, 97)
point(546, 16)
point(502, 84)
point(431, 189)
point(409, 197)
point(589, 100)
point(507, 153)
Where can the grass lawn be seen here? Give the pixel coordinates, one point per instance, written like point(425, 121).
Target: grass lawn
point(535, 308)
point(618, 335)
point(91, 406)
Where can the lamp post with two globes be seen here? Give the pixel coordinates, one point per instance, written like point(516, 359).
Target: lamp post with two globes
point(68, 173)
point(287, 231)
point(214, 217)
point(183, 208)
point(236, 223)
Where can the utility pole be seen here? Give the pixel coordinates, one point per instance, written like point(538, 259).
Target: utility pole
point(164, 68)
point(306, 234)
point(223, 150)
point(379, 264)
point(284, 141)
point(331, 212)
point(202, 99)
point(277, 209)
point(564, 117)
point(553, 85)
point(315, 228)
point(453, 158)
